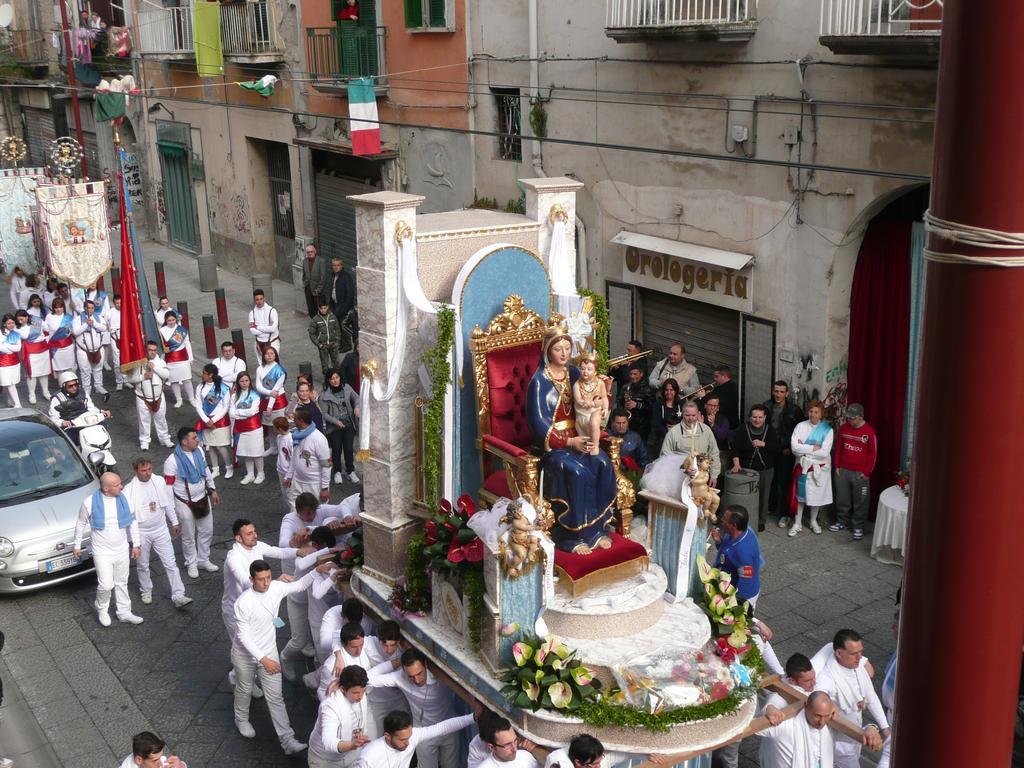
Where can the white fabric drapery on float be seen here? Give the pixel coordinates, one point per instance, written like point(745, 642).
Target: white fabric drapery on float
point(373, 388)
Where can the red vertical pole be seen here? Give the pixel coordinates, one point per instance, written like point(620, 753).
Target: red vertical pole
point(115, 279)
point(69, 57)
point(238, 339)
point(99, 283)
point(161, 282)
point(964, 549)
point(183, 314)
point(222, 308)
point(210, 332)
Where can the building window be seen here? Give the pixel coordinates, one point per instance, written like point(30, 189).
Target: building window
point(510, 142)
point(280, 175)
point(426, 14)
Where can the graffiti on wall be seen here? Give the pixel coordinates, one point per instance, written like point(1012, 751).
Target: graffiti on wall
point(240, 213)
point(161, 206)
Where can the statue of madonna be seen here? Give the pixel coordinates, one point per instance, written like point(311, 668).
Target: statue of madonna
point(579, 486)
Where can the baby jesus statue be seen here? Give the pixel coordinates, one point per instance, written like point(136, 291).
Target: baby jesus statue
point(590, 399)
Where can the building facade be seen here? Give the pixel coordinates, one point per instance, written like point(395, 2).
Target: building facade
point(704, 134)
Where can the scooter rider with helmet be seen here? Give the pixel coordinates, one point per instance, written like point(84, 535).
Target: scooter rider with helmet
point(69, 403)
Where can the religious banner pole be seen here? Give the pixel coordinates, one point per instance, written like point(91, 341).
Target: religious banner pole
point(132, 345)
point(145, 301)
point(962, 622)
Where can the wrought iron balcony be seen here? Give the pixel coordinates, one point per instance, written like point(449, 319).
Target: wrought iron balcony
point(335, 54)
point(882, 27)
point(692, 20)
point(165, 33)
point(248, 32)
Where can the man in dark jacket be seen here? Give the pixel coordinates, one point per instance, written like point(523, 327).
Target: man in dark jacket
point(314, 278)
point(783, 415)
point(633, 446)
point(637, 398)
point(728, 394)
point(325, 333)
point(342, 293)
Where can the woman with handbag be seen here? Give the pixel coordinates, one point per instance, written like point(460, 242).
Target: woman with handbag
point(339, 405)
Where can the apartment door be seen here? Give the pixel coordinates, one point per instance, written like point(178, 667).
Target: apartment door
point(179, 198)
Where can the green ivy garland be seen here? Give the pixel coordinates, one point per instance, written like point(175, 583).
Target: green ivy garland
point(413, 594)
point(439, 368)
point(600, 314)
point(473, 588)
point(604, 713)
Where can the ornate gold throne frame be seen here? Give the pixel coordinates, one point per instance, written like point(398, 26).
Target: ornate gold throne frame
point(515, 327)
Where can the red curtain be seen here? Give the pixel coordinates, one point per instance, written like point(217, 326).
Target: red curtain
point(879, 341)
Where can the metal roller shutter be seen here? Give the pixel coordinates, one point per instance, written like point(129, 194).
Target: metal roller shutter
point(336, 217)
point(710, 333)
point(39, 132)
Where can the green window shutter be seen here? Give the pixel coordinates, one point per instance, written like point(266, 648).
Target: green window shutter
point(368, 14)
point(413, 13)
point(437, 13)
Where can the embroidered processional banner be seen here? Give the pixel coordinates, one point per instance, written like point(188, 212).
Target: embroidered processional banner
point(17, 201)
point(73, 223)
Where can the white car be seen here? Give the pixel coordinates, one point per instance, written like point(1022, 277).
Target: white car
point(43, 481)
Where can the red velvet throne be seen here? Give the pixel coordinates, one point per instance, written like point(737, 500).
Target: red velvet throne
point(505, 357)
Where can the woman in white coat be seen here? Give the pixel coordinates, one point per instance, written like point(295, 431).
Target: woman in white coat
point(59, 327)
point(811, 444)
point(10, 361)
point(213, 400)
point(178, 357)
point(245, 412)
point(270, 382)
point(35, 352)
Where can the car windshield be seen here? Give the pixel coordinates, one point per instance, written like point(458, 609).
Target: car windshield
point(36, 461)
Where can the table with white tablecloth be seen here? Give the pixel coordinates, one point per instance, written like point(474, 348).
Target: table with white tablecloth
point(890, 539)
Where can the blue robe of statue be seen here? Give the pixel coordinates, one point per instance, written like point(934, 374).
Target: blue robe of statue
point(580, 487)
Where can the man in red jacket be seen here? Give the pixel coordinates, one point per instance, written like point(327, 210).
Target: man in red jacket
point(856, 451)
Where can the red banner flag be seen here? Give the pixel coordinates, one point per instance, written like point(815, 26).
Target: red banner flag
point(132, 342)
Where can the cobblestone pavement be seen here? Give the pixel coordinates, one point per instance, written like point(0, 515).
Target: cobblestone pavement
point(91, 688)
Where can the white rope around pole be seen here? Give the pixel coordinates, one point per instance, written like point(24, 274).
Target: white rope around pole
point(978, 237)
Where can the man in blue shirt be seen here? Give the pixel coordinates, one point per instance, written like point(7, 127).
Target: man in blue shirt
point(739, 553)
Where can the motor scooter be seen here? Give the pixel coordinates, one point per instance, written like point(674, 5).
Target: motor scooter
point(94, 441)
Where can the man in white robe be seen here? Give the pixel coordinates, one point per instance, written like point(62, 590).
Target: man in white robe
point(803, 741)
point(843, 675)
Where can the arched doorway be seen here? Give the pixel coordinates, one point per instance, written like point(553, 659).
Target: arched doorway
point(885, 304)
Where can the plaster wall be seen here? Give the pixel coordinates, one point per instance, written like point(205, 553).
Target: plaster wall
point(803, 229)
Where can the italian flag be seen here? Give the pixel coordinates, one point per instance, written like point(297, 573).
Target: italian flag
point(362, 113)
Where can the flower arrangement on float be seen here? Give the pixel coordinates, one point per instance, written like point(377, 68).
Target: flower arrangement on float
point(453, 554)
point(903, 481)
point(547, 674)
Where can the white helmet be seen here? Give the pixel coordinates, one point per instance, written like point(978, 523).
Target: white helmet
point(66, 376)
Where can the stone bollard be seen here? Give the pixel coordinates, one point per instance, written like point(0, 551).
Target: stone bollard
point(207, 272)
point(183, 314)
point(161, 281)
point(222, 308)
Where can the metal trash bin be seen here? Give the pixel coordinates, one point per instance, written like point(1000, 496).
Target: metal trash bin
point(742, 488)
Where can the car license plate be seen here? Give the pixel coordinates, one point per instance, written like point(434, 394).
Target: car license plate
point(60, 563)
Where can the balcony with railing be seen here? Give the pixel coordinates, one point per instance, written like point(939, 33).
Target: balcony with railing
point(335, 54)
point(690, 20)
point(165, 33)
point(882, 27)
point(248, 32)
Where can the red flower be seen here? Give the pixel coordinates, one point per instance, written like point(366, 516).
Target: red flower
point(474, 551)
point(630, 463)
point(431, 532)
point(456, 554)
point(466, 506)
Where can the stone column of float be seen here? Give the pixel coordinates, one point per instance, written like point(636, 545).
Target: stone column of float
point(541, 196)
point(389, 479)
